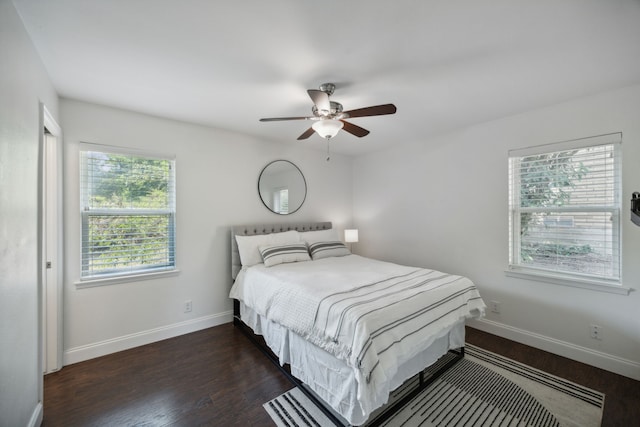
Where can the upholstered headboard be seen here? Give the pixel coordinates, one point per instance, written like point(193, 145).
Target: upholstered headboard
point(255, 229)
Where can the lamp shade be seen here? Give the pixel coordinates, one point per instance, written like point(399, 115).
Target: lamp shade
point(327, 128)
point(351, 236)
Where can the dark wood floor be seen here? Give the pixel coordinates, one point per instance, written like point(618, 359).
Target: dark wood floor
point(216, 377)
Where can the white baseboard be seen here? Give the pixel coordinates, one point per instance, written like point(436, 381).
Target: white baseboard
point(36, 416)
point(102, 348)
point(608, 362)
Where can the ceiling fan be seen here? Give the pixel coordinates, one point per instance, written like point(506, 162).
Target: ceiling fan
point(329, 117)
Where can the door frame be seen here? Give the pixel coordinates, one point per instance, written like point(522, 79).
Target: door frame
point(52, 243)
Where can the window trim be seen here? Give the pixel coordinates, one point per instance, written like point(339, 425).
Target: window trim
point(547, 276)
point(130, 276)
point(613, 285)
point(114, 280)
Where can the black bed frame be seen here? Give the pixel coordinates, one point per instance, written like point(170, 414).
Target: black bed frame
point(387, 412)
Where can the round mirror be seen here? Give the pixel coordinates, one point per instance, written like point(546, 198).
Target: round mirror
point(282, 187)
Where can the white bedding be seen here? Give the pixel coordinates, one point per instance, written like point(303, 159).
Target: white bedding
point(374, 316)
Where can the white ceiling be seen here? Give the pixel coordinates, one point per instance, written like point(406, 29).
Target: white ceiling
point(444, 64)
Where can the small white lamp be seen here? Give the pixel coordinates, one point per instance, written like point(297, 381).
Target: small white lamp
point(351, 236)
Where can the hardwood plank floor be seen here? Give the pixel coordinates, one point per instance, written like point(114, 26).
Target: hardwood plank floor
point(211, 377)
point(217, 377)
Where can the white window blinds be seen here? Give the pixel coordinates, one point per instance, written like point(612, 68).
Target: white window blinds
point(128, 212)
point(564, 202)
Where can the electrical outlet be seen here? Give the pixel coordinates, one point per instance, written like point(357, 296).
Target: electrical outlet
point(495, 306)
point(188, 306)
point(595, 331)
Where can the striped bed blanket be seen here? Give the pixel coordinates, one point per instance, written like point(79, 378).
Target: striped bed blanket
point(374, 315)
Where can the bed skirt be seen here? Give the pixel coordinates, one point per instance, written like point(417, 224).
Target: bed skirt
point(331, 379)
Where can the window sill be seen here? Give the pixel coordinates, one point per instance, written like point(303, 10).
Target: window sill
point(591, 284)
point(91, 283)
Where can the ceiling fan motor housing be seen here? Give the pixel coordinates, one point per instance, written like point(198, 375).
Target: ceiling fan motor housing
point(336, 108)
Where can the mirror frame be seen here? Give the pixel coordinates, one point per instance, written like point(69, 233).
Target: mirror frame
point(304, 181)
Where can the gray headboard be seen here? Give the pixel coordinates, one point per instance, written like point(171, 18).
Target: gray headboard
point(255, 229)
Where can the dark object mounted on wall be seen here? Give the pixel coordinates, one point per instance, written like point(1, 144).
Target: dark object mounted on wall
point(635, 208)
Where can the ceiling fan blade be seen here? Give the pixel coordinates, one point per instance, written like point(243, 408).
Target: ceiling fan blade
point(278, 119)
point(354, 129)
point(306, 134)
point(377, 110)
point(320, 99)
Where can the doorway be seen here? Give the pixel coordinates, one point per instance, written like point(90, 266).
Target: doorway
point(52, 239)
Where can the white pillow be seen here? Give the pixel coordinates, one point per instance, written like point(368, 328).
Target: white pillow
point(279, 254)
point(321, 250)
point(330, 235)
point(248, 246)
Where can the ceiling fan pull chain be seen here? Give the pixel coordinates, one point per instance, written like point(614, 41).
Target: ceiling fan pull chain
point(328, 153)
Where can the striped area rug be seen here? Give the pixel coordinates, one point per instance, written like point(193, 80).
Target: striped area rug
point(483, 389)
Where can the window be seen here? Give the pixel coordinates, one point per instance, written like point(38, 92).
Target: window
point(564, 203)
point(281, 200)
point(128, 212)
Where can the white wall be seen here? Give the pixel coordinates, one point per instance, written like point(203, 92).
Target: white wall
point(442, 203)
point(217, 187)
point(23, 84)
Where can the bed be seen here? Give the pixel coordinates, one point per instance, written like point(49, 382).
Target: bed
point(347, 329)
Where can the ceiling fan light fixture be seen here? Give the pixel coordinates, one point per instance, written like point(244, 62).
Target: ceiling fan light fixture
point(327, 128)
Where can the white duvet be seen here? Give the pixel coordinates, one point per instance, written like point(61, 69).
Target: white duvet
point(373, 315)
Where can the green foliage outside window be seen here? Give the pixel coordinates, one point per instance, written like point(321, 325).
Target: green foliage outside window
point(129, 215)
point(547, 180)
point(124, 242)
point(129, 182)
